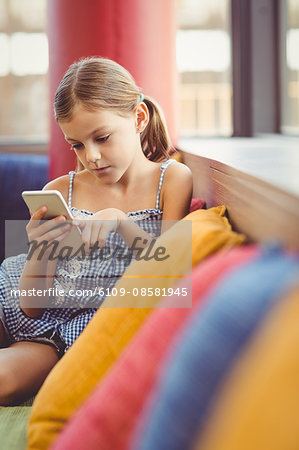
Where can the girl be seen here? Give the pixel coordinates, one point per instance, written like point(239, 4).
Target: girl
point(123, 188)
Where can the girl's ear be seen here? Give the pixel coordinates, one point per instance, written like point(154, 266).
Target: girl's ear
point(141, 117)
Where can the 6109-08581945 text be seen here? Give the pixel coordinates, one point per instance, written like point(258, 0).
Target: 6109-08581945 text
point(107, 292)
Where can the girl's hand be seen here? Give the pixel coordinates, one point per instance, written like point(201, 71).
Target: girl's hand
point(46, 232)
point(95, 229)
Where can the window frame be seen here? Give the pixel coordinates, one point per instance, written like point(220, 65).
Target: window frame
point(256, 57)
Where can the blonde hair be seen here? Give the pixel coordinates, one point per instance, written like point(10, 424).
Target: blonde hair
point(100, 83)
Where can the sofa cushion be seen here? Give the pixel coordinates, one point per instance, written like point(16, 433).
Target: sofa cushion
point(78, 372)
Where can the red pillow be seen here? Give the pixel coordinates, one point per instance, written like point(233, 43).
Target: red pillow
point(109, 416)
point(197, 203)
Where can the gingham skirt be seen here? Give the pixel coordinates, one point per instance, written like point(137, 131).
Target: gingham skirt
point(60, 325)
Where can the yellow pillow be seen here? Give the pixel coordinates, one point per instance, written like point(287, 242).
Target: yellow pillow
point(81, 368)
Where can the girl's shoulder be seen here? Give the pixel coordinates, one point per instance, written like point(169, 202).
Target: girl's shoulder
point(176, 191)
point(177, 173)
point(60, 184)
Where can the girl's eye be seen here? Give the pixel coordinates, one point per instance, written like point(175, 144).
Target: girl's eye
point(103, 139)
point(76, 146)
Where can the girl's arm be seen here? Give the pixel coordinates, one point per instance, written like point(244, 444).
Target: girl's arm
point(38, 272)
point(176, 194)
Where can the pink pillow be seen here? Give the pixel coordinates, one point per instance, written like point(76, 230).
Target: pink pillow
point(197, 203)
point(109, 416)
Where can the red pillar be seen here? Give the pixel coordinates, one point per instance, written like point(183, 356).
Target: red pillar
point(138, 34)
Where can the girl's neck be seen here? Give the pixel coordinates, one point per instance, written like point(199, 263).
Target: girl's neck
point(138, 190)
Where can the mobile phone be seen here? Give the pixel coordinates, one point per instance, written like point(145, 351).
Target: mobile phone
point(53, 200)
point(57, 206)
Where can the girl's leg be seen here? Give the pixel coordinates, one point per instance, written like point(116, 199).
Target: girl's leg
point(23, 369)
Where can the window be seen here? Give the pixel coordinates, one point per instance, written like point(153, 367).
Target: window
point(23, 71)
point(232, 79)
point(204, 65)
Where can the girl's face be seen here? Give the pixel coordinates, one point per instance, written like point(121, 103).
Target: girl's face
point(106, 143)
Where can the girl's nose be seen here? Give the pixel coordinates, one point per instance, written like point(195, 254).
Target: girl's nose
point(92, 153)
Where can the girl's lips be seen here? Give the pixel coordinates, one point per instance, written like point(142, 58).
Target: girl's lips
point(101, 169)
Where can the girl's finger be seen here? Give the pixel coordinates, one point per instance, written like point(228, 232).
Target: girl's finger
point(95, 232)
point(38, 215)
point(86, 234)
point(63, 235)
point(45, 243)
point(103, 234)
point(48, 225)
point(79, 223)
point(45, 227)
point(56, 233)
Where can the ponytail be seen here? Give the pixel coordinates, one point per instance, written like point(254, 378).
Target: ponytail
point(155, 140)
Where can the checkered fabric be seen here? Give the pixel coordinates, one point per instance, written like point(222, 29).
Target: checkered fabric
point(70, 314)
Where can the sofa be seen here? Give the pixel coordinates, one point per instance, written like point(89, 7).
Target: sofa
point(18, 172)
point(215, 348)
